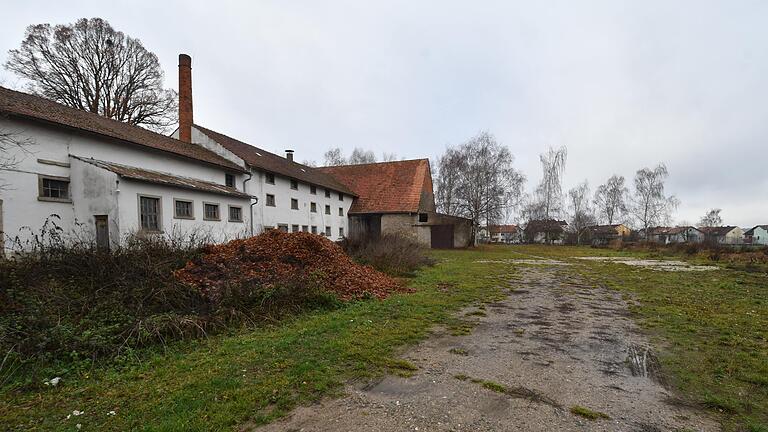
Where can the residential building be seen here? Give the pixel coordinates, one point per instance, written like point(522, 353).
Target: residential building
point(397, 197)
point(723, 235)
point(679, 234)
point(602, 235)
point(504, 234)
point(757, 235)
point(548, 231)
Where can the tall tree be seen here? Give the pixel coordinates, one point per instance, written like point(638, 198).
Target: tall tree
point(581, 213)
point(477, 180)
point(333, 157)
point(549, 193)
point(361, 156)
point(611, 199)
point(90, 66)
point(711, 219)
point(650, 205)
point(14, 147)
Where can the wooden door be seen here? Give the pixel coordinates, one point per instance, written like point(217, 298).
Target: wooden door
point(102, 232)
point(442, 236)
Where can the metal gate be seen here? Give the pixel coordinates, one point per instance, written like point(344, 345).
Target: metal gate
point(442, 236)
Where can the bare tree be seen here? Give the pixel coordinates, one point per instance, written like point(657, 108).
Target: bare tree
point(711, 219)
point(549, 193)
point(650, 206)
point(309, 163)
point(333, 157)
point(477, 180)
point(90, 66)
point(388, 157)
point(611, 199)
point(360, 156)
point(581, 212)
point(13, 146)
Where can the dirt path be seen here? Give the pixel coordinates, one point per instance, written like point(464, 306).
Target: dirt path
point(552, 344)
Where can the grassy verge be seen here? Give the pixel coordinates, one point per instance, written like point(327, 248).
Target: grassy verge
point(256, 376)
point(712, 329)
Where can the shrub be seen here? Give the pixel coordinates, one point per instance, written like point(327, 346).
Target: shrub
point(395, 254)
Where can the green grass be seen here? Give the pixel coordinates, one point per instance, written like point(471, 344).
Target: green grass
point(255, 376)
point(711, 328)
point(588, 413)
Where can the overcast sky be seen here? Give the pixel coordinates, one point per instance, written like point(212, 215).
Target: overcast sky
point(623, 85)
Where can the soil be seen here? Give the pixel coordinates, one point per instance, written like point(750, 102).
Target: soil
point(553, 344)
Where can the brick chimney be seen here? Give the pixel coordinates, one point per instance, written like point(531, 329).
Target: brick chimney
point(289, 155)
point(185, 98)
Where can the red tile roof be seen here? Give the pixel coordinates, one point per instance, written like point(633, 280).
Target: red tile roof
point(499, 229)
point(32, 107)
point(273, 163)
point(388, 187)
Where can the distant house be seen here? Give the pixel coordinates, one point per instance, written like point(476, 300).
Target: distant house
point(679, 234)
point(548, 231)
point(757, 235)
point(601, 235)
point(504, 234)
point(723, 235)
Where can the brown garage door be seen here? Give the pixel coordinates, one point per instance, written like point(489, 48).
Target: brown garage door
point(442, 236)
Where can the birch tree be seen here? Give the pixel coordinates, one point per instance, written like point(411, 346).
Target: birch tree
point(548, 197)
point(581, 213)
point(711, 219)
point(650, 205)
point(611, 199)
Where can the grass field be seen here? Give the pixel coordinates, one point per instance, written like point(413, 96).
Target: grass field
point(711, 328)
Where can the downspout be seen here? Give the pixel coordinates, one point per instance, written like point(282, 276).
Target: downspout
point(256, 200)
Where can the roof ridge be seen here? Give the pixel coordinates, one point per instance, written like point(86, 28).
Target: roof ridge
point(375, 163)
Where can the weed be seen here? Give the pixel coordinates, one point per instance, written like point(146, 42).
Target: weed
point(458, 351)
point(588, 413)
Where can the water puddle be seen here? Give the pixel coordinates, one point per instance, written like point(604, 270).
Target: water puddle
point(662, 265)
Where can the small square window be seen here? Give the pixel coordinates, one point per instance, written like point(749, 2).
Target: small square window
point(313, 207)
point(327, 231)
point(341, 211)
point(270, 200)
point(327, 209)
point(229, 180)
point(211, 212)
point(235, 214)
point(305, 228)
point(341, 196)
point(314, 229)
point(341, 232)
point(294, 228)
point(294, 204)
point(269, 178)
point(327, 193)
point(423, 217)
point(282, 227)
point(182, 209)
point(53, 189)
point(313, 189)
point(294, 185)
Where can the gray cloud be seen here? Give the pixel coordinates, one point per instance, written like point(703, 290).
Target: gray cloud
point(622, 84)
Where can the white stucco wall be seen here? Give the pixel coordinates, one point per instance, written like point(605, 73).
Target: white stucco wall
point(760, 236)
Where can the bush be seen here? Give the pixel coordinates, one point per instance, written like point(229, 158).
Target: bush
point(395, 254)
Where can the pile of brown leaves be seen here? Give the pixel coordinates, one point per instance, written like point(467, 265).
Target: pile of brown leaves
point(275, 257)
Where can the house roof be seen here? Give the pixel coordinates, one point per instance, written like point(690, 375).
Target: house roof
point(387, 187)
point(271, 162)
point(40, 109)
point(546, 225)
point(162, 178)
point(503, 229)
point(717, 231)
point(751, 231)
point(604, 229)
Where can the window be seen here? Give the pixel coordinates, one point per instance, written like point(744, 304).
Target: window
point(341, 196)
point(229, 180)
point(294, 185)
point(423, 217)
point(235, 214)
point(282, 227)
point(313, 189)
point(294, 228)
point(341, 211)
point(269, 178)
point(314, 229)
point(305, 228)
point(327, 193)
point(149, 213)
point(270, 200)
point(53, 188)
point(327, 231)
point(327, 209)
point(341, 232)
point(313, 207)
point(294, 204)
point(211, 211)
point(182, 209)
